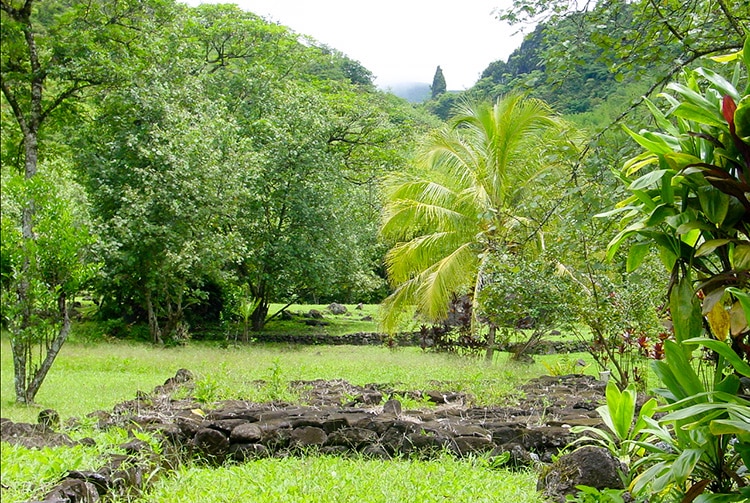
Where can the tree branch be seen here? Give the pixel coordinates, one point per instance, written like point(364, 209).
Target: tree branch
point(17, 112)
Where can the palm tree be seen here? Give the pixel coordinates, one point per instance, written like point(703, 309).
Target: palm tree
point(462, 204)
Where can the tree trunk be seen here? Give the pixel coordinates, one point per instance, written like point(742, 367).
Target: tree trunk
point(245, 331)
point(20, 353)
point(52, 350)
point(153, 321)
point(259, 316)
point(490, 344)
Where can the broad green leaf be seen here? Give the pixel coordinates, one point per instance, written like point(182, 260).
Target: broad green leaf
point(676, 358)
point(729, 427)
point(742, 118)
point(647, 477)
point(727, 58)
point(668, 258)
point(652, 143)
point(692, 97)
point(661, 119)
point(621, 407)
point(647, 410)
point(691, 237)
point(636, 254)
point(659, 214)
point(743, 297)
point(709, 246)
point(721, 498)
point(667, 377)
point(637, 163)
point(714, 203)
point(685, 463)
point(680, 160)
point(646, 198)
point(724, 350)
point(719, 82)
point(615, 211)
point(667, 189)
point(730, 384)
point(617, 241)
point(741, 257)
point(686, 227)
point(648, 180)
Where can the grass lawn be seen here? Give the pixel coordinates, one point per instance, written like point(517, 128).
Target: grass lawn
point(333, 479)
point(88, 377)
point(353, 321)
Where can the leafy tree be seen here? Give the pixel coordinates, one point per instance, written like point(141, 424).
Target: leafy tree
point(463, 203)
point(156, 163)
point(244, 161)
point(525, 291)
point(50, 270)
point(51, 54)
point(650, 40)
point(438, 83)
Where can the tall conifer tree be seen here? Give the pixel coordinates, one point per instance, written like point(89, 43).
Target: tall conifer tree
point(438, 83)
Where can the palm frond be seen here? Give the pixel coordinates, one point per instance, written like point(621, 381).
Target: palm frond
point(411, 258)
point(474, 171)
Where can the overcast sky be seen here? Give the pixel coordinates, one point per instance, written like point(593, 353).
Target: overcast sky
point(401, 40)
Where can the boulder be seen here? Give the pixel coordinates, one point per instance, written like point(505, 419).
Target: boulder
point(337, 309)
point(589, 466)
point(392, 406)
point(246, 452)
point(309, 435)
point(73, 491)
point(212, 444)
point(246, 433)
point(352, 437)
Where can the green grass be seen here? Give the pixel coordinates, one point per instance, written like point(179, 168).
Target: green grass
point(337, 324)
point(92, 376)
point(326, 479)
point(30, 473)
point(88, 377)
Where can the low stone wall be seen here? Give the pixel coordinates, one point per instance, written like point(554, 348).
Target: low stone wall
point(241, 431)
point(405, 339)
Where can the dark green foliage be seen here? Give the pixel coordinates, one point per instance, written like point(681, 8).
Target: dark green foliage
point(244, 160)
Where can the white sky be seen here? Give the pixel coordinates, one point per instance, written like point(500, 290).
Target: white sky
point(400, 40)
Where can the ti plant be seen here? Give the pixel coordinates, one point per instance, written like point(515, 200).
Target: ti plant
point(624, 427)
point(689, 197)
point(702, 444)
point(694, 205)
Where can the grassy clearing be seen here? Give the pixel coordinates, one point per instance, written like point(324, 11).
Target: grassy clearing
point(30, 473)
point(92, 376)
point(87, 377)
point(353, 321)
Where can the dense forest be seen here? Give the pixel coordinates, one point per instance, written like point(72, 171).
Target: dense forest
point(184, 165)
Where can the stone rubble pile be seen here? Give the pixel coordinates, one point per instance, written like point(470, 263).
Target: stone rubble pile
point(241, 431)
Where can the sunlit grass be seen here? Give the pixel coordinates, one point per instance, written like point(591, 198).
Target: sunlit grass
point(326, 479)
point(88, 377)
point(29, 473)
point(93, 376)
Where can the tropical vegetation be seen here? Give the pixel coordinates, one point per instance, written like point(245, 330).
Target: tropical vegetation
point(175, 171)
